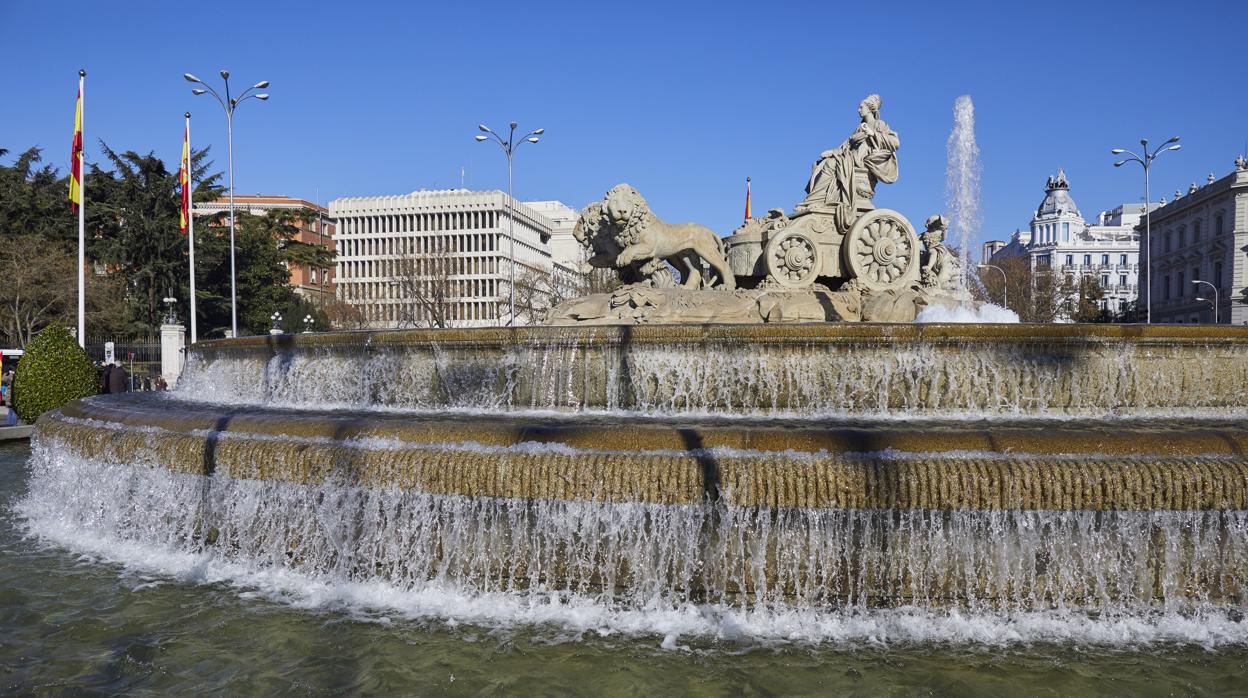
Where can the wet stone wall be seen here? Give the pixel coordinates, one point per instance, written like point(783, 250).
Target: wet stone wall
point(795, 370)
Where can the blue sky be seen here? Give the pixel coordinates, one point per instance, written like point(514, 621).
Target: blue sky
point(682, 100)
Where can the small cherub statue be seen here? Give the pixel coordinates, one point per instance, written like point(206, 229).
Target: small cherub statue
point(1241, 163)
point(940, 266)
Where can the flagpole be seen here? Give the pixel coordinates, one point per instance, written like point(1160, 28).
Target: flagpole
point(82, 227)
point(190, 225)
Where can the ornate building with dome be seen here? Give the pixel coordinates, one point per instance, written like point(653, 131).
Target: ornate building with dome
point(1059, 240)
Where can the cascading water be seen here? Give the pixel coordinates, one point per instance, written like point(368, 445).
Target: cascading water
point(962, 174)
point(882, 371)
point(709, 569)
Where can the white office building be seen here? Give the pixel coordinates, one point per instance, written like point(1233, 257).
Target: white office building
point(1060, 240)
point(380, 238)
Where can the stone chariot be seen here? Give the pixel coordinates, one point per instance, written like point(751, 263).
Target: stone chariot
point(880, 249)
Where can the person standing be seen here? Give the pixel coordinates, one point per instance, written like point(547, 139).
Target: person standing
point(116, 379)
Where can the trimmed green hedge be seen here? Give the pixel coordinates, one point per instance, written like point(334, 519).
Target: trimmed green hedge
point(53, 371)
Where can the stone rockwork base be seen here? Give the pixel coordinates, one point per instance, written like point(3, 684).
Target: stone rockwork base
point(640, 304)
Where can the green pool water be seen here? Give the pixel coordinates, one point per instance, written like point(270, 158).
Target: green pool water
point(71, 625)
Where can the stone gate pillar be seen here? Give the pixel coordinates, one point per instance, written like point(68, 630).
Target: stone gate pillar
point(172, 354)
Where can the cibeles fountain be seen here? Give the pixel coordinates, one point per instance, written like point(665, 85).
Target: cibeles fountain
point(726, 446)
point(836, 257)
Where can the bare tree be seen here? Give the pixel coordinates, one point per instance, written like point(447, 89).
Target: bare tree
point(423, 285)
point(534, 293)
point(345, 316)
point(38, 286)
point(1081, 300)
point(1035, 294)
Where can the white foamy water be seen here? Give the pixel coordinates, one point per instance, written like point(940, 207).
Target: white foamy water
point(986, 313)
point(962, 175)
point(815, 576)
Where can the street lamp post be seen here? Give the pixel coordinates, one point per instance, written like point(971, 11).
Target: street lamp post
point(1005, 291)
point(1196, 282)
point(170, 316)
point(1146, 161)
point(229, 104)
point(509, 147)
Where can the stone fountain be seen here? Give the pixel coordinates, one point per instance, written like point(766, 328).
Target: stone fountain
point(631, 462)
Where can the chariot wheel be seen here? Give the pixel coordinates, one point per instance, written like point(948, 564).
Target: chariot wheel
point(882, 250)
point(793, 258)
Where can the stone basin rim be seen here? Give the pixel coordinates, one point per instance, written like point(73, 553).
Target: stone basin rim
point(762, 333)
point(1138, 438)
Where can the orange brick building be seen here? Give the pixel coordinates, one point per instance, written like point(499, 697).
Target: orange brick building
point(316, 285)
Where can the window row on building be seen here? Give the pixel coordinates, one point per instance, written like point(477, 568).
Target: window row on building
point(1179, 288)
point(442, 266)
point(451, 289)
point(1175, 240)
point(438, 221)
point(1103, 259)
point(406, 244)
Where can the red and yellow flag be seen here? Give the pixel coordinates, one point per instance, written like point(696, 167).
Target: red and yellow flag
point(75, 158)
point(184, 178)
point(747, 200)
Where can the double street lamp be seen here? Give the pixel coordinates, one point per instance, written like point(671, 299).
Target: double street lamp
point(229, 104)
point(509, 147)
point(1146, 161)
point(1197, 282)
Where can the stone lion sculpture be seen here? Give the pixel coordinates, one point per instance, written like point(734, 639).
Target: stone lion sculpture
point(594, 234)
point(621, 231)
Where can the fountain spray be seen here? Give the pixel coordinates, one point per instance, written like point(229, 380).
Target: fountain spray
point(962, 183)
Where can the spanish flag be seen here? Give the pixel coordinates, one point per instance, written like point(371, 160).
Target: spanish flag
point(75, 157)
point(184, 176)
point(747, 200)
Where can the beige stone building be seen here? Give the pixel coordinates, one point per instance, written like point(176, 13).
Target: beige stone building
point(1202, 235)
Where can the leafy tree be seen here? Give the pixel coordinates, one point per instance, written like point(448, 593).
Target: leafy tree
point(134, 252)
point(262, 275)
point(35, 200)
point(135, 215)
